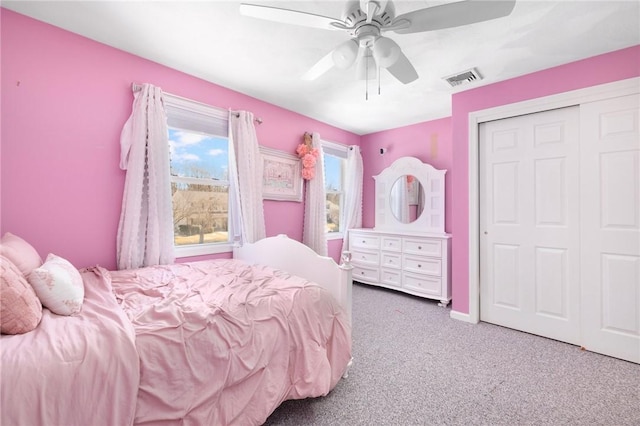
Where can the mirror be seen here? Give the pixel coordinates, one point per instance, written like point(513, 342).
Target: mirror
point(410, 197)
point(407, 199)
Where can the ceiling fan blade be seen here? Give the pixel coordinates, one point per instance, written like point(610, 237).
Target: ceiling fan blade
point(320, 67)
point(454, 15)
point(403, 70)
point(287, 16)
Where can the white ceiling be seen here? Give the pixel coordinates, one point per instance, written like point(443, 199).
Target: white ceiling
point(211, 40)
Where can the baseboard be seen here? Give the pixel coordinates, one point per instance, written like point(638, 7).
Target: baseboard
point(461, 316)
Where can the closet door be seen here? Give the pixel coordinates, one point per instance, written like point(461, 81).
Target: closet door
point(610, 207)
point(529, 223)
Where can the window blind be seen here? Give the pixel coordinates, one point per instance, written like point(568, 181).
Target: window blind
point(195, 116)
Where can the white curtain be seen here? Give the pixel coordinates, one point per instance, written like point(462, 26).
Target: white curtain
point(249, 211)
point(315, 216)
point(235, 211)
point(352, 210)
point(145, 232)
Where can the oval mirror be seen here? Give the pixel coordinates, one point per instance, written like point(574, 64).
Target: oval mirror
point(406, 199)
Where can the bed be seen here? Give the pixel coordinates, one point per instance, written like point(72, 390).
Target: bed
point(219, 342)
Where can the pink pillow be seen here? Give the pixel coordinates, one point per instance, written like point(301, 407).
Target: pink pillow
point(59, 286)
point(20, 309)
point(20, 252)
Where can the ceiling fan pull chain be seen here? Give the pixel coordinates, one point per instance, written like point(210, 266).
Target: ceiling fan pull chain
point(366, 89)
point(378, 81)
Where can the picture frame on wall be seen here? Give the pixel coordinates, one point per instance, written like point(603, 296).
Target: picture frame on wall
point(281, 175)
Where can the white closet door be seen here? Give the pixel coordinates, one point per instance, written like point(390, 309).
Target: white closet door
point(529, 223)
point(610, 206)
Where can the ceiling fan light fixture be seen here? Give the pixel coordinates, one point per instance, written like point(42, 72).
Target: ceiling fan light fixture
point(345, 54)
point(386, 52)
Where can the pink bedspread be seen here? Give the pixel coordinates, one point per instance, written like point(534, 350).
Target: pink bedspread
point(224, 343)
point(79, 370)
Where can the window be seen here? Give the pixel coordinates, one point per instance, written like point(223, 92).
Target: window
point(335, 156)
point(199, 160)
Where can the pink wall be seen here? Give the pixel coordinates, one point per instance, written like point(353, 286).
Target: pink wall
point(614, 66)
point(64, 101)
point(429, 141)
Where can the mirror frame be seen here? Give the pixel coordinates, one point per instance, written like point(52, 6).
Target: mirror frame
point(431, 220)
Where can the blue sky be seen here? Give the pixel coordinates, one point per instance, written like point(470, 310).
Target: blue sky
point(332, 172)
point(208, 153)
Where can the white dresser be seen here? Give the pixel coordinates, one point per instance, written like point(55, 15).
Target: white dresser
point(407, 261)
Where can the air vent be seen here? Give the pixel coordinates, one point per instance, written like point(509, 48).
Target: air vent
point(463, 77)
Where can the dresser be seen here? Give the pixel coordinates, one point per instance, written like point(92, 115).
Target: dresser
point(410, 262)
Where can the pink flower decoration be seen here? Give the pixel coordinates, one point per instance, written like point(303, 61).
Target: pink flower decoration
point(308, 173)
point(308, 161)
point(302, 150)
point(308, 154)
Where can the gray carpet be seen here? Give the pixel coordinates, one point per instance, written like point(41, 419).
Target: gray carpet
point(414, 365)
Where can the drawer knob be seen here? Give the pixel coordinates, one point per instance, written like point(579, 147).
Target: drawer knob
point(419, 247)
point(419, 265)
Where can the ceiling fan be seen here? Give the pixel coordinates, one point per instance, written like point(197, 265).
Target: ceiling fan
point(367, 20)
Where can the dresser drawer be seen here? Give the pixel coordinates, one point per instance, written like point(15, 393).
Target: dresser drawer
point(424, 284)
point(422, 246)
point(391, 277)
point(422, 265)
point(391, 243)
point(364, 274)
point(364, 241)
point(360, 257)
point(391, 260)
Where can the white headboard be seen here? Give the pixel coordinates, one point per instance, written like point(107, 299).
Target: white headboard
point(281, 252)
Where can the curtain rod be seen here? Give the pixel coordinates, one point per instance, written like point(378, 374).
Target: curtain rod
point(135, 87)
